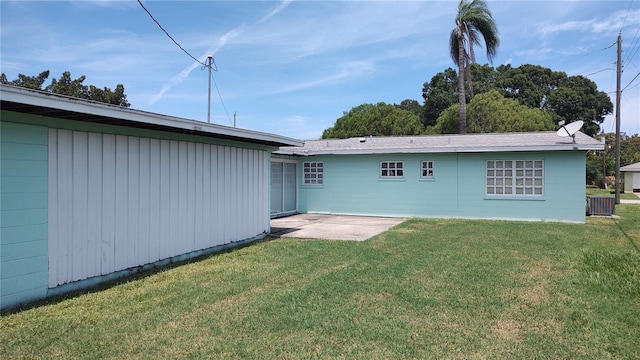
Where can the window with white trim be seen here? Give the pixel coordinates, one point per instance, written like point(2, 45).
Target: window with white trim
point(515, 178)
point(313, 173)
point(392, 169)
point(426, 170)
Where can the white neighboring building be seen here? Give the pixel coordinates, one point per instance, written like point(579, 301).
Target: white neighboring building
point(631, 177)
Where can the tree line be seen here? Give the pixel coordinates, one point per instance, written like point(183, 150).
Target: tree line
point(70, 87)
point(505, 99)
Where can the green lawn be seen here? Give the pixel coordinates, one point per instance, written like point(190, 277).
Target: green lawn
point(424, 289)
point(594, 191)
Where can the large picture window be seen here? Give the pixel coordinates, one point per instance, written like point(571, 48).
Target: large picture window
point(515, 178)
point(392, 169)
point(313, 173)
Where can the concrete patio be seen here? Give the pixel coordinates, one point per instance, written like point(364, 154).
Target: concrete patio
point(331, 227)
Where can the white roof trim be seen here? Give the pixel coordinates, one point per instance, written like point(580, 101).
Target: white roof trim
point(631, 167)
point(469, 143)
point(65, 103)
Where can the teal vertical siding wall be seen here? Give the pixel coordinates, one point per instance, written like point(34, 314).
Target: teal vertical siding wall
point(352, 186)
point(23, 238)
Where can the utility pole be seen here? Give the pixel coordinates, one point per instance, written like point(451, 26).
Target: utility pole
point(208, 65)
point(618, 76)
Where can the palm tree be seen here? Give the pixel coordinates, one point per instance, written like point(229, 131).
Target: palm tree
point(474, 20)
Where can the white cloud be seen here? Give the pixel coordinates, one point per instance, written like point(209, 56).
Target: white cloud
point(347, 71)
point(222, 41)
point(611, 23)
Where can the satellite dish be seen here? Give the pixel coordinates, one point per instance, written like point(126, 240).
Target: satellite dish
point(570, 129)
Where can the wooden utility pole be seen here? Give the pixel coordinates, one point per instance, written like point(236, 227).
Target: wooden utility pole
point(208, 65)
point(618, 76)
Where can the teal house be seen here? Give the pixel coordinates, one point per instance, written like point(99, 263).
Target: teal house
point(514, 176)
point(91, 192)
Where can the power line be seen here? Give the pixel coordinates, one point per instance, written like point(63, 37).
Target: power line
point(626, 16)
point(630, 82)
point(599, 71)
point(211, 64)
point(222, 101)
point(172, 39)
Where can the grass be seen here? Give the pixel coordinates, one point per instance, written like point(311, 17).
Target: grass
point(595, 191)
point(424, 289)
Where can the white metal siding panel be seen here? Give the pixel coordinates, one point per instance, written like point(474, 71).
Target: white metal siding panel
point(79, 196)
point(121, 193)
point(94, 201)
point(144, 213)
point(190, 241)
point(52, 200)
point(155, 194)
point(108, 221)
point(117, 202)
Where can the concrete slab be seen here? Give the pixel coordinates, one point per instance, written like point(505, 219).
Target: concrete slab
point(625, 201)
point(332, 227)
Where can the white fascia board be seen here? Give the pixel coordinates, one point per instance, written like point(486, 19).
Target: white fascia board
point(60, 102)
point(568, 147)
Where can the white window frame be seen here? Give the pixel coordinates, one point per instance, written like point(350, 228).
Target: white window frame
point(391, 170)
point(313, 173)
point(430, 170)
point(514, 178)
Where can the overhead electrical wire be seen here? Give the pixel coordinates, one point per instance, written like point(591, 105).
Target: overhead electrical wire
point(222, 101)
point(212, 65)
point(631, 82)
point(626, 16)
point(172, 39)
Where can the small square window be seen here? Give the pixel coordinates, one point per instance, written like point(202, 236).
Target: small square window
point(426, 170)
point(392, 169)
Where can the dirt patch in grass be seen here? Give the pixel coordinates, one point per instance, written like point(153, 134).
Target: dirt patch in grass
point(507, 329)
point(535, 295)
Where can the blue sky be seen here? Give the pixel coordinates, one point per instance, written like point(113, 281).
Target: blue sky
point(293, 67)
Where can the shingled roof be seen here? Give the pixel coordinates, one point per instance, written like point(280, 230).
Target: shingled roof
point(631, 168)
point(469, 143)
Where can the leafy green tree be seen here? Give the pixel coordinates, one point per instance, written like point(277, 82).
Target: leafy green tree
point(380, 119)
point(105, 95)
point(70, 87)
point(29, 82)
point(484, 79)
point(578, 98)
point(447, 122)
point(410, 105)
point(529, 84)
point(442, 91)
point(439, 94)
point(629, 149)
point(474, 20)
point(491, 113)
